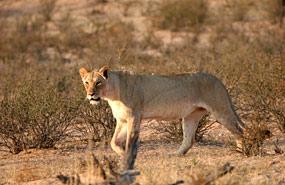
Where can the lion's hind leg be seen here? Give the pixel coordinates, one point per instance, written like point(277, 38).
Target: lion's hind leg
point(189, 126)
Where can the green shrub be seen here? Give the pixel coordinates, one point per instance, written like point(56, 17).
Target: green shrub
point(183, 14)
point(35, 113)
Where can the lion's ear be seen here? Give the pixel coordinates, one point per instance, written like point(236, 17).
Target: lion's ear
point(104, 72)
point(83, 72)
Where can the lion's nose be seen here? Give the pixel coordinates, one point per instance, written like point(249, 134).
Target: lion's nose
point(91, 94)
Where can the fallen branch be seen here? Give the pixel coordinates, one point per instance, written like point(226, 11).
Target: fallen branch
point(97, 174)
point(212, 176)
point(277, 149)
point(206, 179)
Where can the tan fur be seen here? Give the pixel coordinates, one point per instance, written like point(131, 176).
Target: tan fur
point(134, 98)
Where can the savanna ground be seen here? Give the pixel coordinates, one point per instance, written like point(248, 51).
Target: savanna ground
point(46, 125)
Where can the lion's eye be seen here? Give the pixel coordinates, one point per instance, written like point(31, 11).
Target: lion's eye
point(98, 84)
point(86, 83)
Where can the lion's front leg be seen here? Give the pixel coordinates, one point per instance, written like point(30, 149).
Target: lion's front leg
point(133, 130)
point(119, 137)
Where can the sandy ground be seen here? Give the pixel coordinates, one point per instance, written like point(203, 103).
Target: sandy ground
point(155, 161)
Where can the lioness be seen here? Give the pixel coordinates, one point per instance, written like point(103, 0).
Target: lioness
point(134, 98)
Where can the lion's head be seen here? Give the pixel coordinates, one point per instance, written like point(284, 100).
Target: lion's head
point(95, 83)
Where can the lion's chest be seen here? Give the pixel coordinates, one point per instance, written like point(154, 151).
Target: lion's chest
point(119, 110)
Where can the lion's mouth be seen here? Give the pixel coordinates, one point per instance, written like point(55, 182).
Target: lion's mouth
point(95, 99)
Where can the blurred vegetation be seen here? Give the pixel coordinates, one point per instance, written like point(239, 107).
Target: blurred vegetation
point(273, 9)
point(183, 14)
point(41, 91)
point(238, 9)
point(47, 8)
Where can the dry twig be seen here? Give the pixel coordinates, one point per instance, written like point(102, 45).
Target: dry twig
point(208, 178)
point(97, 174)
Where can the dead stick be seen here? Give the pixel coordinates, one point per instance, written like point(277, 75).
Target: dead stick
point(219, 173)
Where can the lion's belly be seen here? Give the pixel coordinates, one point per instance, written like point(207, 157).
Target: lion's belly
point(168, 111)
point(167, 102)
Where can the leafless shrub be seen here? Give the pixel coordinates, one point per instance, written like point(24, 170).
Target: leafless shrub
point(265, 93)
point(97, 122)
point(254, 136)
point(204, 125)
point(173, 129)
point(34, 114)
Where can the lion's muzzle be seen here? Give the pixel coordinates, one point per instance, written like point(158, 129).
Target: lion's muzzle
point(94, 101)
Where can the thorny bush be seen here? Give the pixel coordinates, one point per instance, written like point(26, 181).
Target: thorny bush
point(35, 113)
point(174, 132)
point(97, 122)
